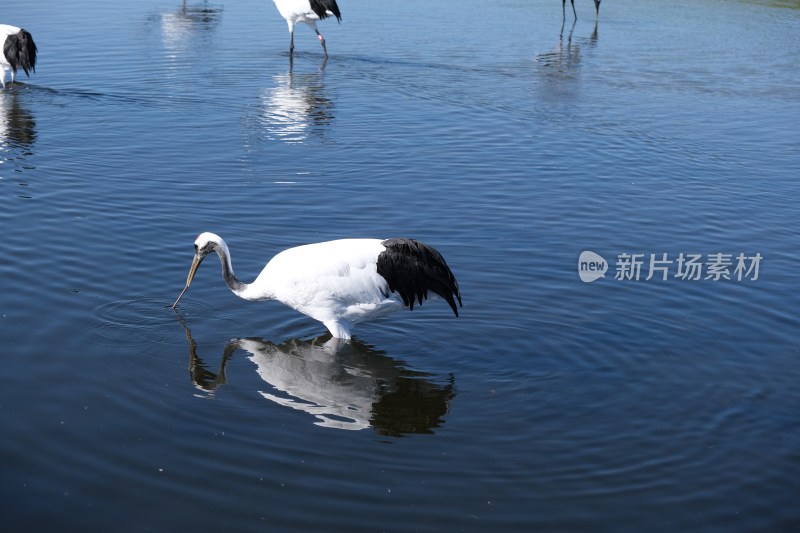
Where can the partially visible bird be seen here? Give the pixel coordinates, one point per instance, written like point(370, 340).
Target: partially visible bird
point(342, 282)
point(564, 9)
point(309, 12)
point(19, 51)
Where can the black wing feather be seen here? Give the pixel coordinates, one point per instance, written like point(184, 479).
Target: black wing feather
point(20, 51)
point(321, 8)
point(412, 268)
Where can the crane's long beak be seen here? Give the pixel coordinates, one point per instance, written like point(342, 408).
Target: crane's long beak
point(192, 272)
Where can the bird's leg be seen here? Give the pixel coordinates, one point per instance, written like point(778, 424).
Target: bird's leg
point(340, 329)
point(596, 9)
point(291, 41)
point(322, 42)
point(563, 10)
point(573, 9)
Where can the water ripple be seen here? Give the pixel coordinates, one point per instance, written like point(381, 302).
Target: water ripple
point(139, 321)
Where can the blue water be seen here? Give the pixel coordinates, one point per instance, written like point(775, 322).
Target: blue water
point(510, 144)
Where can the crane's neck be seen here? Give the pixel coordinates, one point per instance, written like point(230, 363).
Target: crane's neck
point(238, 287)
point(258, 290)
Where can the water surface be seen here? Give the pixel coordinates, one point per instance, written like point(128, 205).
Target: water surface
point(509, 142)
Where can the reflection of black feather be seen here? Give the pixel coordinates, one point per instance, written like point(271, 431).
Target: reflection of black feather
point(412, 268)
point(412, 406)
point(321, 7)
point(20, 124)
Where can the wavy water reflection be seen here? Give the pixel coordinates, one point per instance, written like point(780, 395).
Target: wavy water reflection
point(344, 385)
point(296, 107)
point(178, 25)
point(17, 124)
point(566, 56)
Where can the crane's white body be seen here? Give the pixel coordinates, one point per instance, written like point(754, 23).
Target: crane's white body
point(335, 282)
point(6, 30)
point(341, 282)
point(294, 11)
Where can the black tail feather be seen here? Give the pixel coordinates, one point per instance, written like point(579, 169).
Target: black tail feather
point(412, 268)
point(20, 51)
point(321, 8)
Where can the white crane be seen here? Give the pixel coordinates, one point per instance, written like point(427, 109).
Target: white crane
point(309, 12)
point(341, 282)
point(18, 51)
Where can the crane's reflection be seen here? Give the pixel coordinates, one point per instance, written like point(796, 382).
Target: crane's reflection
point(178, 25)
point(17, 124)
point(343, 385)
point(296, 106)
point(563, 55)
point(560, 66)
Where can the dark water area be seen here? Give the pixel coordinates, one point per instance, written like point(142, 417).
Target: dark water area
point(618, 203)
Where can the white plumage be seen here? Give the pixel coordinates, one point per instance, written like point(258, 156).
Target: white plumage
point(18, 51)
point(342, 282)
point(307, 12)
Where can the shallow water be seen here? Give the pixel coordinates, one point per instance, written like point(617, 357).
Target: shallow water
point(549, 404)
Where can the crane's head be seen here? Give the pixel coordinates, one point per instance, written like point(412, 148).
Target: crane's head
point(204, 244)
